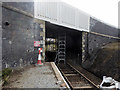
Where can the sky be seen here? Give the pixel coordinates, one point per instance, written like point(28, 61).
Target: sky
point(104, 10)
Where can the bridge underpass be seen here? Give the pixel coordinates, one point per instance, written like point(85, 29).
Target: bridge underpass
point(85, 36)
point(73, 44)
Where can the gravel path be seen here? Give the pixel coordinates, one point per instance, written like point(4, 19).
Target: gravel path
point(33, 77)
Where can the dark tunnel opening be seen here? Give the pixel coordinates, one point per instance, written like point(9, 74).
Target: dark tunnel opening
point(74, 47)
point(73, 43)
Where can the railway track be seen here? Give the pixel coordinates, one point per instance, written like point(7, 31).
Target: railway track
point(75, 79)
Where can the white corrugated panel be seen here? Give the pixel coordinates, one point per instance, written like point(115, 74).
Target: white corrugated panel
point(67, 15)
point(47, 10)
point(62, 14)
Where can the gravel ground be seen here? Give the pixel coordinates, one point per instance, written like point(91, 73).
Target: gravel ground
point(33, 77)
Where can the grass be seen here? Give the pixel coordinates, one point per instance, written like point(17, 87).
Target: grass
point(4, 74)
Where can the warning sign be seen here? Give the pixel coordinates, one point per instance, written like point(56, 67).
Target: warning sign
point(36, 43)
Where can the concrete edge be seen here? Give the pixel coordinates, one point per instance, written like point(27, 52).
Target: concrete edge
point(58, 74)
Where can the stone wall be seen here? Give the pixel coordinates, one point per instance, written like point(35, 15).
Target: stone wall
point(101, 35)
point(20, 30)
point(0, 36)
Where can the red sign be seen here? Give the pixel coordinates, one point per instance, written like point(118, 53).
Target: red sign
point(36, 43)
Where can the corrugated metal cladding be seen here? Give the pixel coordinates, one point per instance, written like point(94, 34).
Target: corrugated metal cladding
point(61, 13)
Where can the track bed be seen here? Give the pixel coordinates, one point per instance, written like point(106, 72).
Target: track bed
point(74, 78)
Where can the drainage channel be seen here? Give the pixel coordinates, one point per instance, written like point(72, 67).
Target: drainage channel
point(74, 78)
